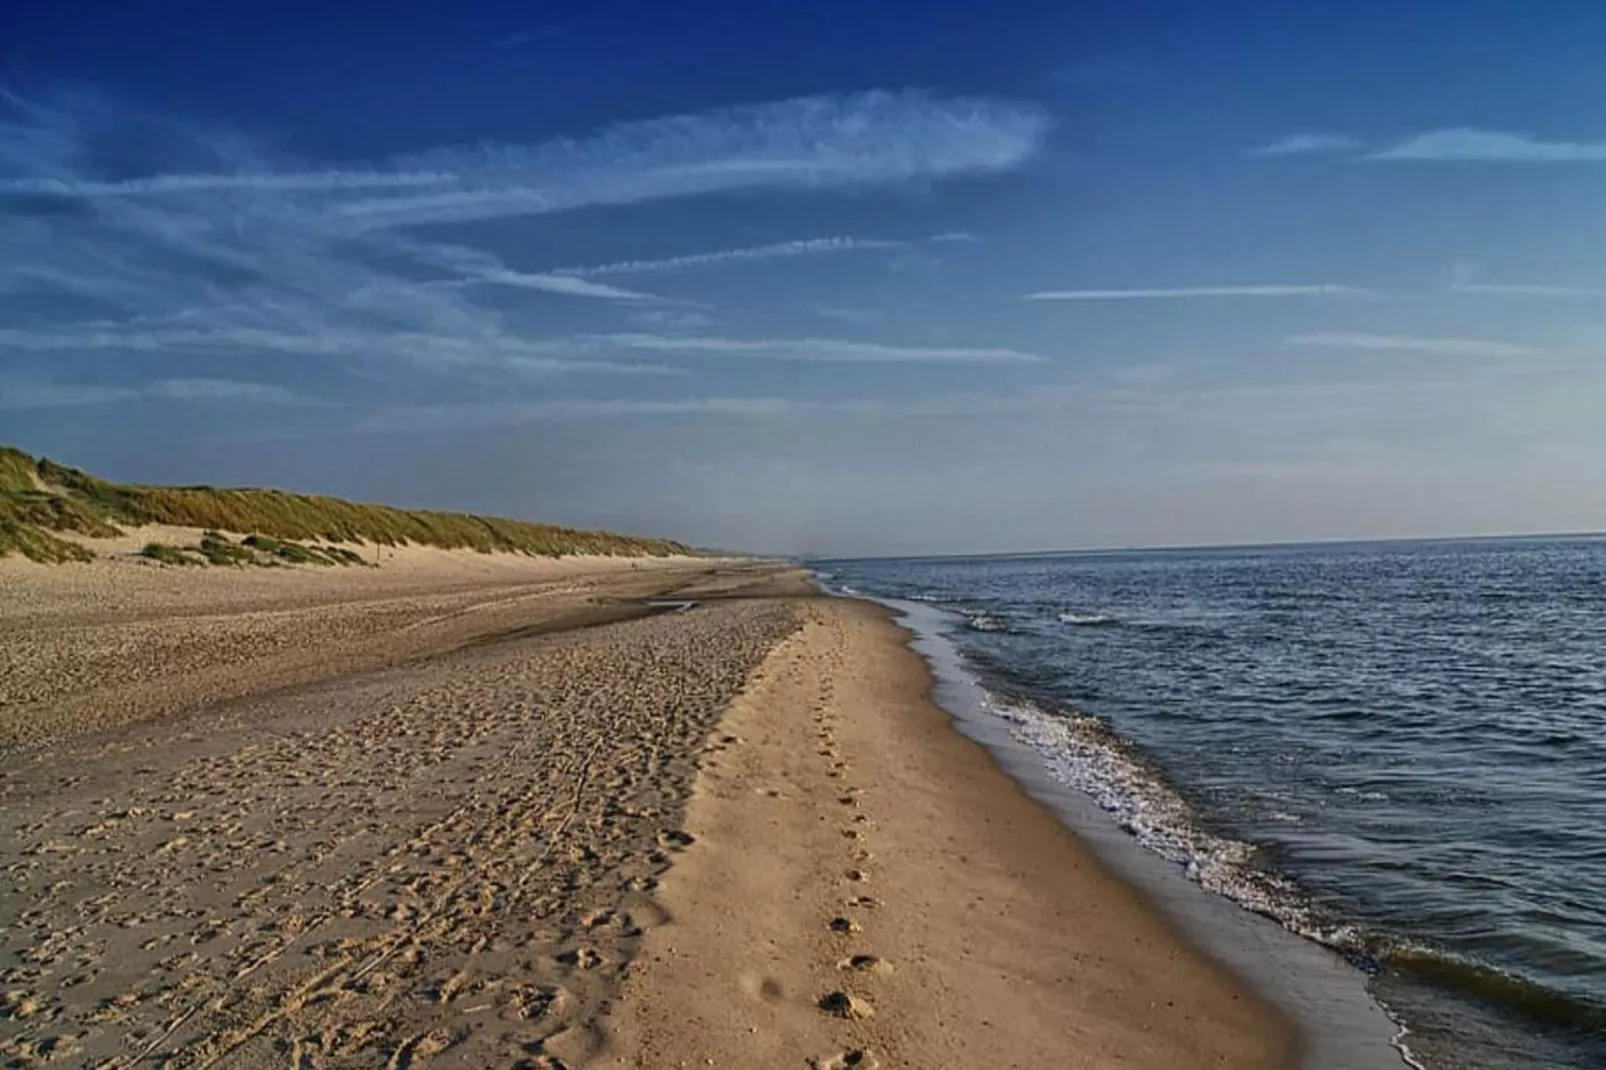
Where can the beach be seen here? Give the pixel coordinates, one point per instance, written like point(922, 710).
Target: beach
point(477, 811)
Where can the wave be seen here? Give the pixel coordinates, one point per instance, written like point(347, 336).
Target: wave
point(1529, 998)
point(1085, 753)
point(984, 622)
point(1088, 620)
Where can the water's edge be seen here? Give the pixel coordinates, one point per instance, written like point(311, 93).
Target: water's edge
point(1341, 1026)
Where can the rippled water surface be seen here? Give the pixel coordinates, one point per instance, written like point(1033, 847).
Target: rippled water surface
point(1398, 749)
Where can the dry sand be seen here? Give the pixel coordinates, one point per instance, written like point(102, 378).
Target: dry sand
point(867, 889)
point(86, 646)
point(420, 818)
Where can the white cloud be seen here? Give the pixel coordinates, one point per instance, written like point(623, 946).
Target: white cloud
point(1454, 347)
point(481, 268)
point(1270, 290)
point(569, 285)
point(818, 349)
point(1524, 289)
point(241, 251)
point(1307, 145)
point(809, 143)
point(777, 250)
point(956, 236)
point(1490, 146)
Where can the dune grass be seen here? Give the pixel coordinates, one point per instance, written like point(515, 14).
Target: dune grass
point(166, 554)
point(36, 544)
point(39, 497)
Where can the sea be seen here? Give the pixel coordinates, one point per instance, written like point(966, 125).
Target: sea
point(1396, 750)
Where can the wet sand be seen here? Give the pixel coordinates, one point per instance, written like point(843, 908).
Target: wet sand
point(528, 821)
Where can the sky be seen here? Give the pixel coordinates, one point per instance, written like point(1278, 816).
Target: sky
point(828, 279)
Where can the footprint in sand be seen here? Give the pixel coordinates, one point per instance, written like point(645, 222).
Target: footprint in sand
point(845, 1004)
point(865, 964)
point(844, 926)
point(581, 957)
point(847, 1060)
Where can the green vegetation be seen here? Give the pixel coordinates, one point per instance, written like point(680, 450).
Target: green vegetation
point(218, 550)
point(169, 555)
point(38, 497)
point(301, 554)
point(16, 470)
point(37, 544)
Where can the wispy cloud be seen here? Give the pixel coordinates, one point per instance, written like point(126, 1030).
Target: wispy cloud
point(822, 142)
point(1307, 145)
point(1451, 144)
point(671, 319)
point(850, 315)
point(241, 252)
point(810, 143)
point(817, 349)
point(1451, 347)
point(568, 285)
point(1269, 290)
point(1525, 289)
point(1490, 146)
point(482, 414)
point(432, 350)
point(748, 254)
point(937, 406)
point(477, 267)
point(242, 181)
point(956, 236)
point(52, 395)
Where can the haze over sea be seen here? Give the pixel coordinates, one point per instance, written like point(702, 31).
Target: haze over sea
point(1393, 748)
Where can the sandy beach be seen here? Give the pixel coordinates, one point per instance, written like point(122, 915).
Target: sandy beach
point(477, 812)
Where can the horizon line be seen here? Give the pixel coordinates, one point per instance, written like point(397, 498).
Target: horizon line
point(1184, 547)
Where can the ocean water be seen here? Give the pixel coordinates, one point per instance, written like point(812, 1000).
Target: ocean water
point(1395, 749)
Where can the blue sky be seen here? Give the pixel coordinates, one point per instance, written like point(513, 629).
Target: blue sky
point(828, 278)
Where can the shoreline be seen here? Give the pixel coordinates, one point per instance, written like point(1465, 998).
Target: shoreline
point(915, 906)
point(1342, 1026)
point(551, 835)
